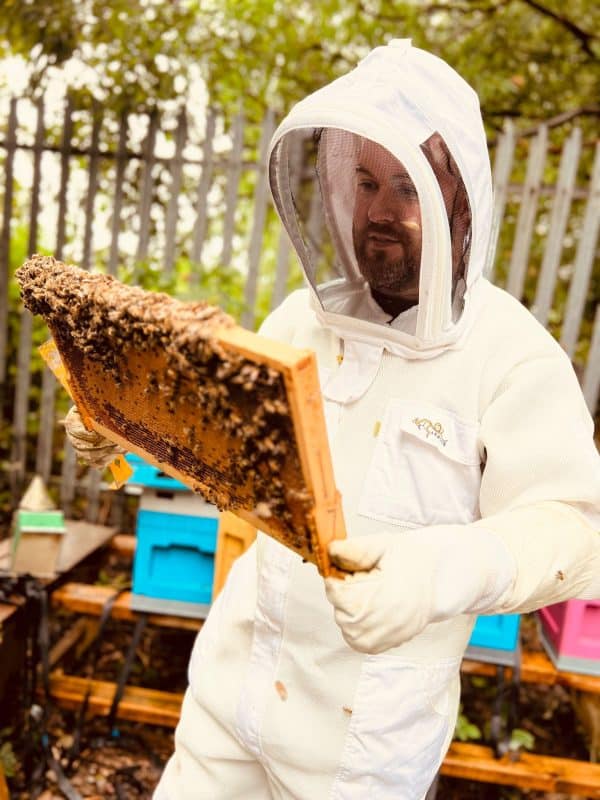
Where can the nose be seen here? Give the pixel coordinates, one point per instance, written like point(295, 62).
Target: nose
point(382, 208)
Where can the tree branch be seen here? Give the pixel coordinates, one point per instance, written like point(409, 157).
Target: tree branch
point(553, 122)
point(585, 37)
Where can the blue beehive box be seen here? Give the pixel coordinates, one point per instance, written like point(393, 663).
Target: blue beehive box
point(176, 534)
point(495, 639)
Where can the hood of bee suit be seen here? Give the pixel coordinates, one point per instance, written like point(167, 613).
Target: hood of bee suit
point(414, 109)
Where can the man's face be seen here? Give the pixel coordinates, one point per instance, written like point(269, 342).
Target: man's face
point(386, 228)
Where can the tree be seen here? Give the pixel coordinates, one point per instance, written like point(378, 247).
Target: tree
point(527, 59)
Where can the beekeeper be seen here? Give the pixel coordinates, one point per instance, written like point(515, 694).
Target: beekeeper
point(461, 445)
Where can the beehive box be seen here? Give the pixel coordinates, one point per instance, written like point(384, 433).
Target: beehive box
point(173, 567)
point(176, 533)
point(233, 415)
point(495, 639)
point(570, 633)
point(37, 542)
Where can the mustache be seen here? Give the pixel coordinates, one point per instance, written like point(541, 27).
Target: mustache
point(385, 229)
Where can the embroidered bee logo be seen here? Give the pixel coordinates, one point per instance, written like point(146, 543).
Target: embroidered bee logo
point(431, 429)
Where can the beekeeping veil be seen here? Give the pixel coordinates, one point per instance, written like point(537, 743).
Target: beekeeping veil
point(420, 126)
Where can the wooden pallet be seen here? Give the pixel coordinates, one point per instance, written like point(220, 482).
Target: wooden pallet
point(84, 598)
point(466, 761)
point(542, 773)
point(150, 706)
point(536, 668)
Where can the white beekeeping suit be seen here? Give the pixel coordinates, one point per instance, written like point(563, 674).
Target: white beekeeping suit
point(460, 442)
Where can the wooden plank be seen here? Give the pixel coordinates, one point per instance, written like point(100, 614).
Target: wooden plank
point(43, 459)
point(84, 598)
point(68, 640)
point(526, 220)
point(43, 463)
point(23, 379)
point(94, 484)
point(4, 795)
point(261, 199)
point(81, 539)
point(500, 180)
point(115, 225)
point(201, 222)
point(537, 668)
point(584, 261)
point(542, 773)
point(68, 477)
point(10, 145)
point(123, 544)
point(557, 226)
point(468, 761)
point(234, 537)
point(150, 706)
point(591, 377)
point(65, 153)
point(172, 213)
point(148, 160)
point(90, 196)
point(234, 173)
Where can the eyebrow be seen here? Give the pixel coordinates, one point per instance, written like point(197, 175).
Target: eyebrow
point(398, 175)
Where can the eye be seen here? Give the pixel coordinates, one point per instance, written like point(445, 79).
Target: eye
point(367, 185)
point(405, 190)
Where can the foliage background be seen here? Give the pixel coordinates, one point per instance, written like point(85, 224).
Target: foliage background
point(529, 61)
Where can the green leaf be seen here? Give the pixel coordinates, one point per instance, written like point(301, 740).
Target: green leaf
point(521, 740)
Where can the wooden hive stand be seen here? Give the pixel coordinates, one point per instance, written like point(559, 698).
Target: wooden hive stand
point(463, 761)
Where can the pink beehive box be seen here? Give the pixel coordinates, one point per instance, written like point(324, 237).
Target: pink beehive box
point(570, 632)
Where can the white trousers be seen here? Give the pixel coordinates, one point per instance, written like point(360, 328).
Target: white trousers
point(209, 763)
point(216, 767)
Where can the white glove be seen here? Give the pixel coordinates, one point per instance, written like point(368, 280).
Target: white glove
point(404, 581)
point(91, 448)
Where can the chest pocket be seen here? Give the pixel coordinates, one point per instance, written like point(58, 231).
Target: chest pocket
point(425, 469)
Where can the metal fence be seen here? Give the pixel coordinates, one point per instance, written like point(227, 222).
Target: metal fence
point(157, 193)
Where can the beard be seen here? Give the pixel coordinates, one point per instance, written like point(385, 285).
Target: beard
point(383, 273)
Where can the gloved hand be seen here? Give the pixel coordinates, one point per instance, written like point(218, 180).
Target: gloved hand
point(403, 581)
point(91, 448)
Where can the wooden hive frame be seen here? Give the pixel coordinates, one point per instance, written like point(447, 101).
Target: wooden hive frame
point(234, 415)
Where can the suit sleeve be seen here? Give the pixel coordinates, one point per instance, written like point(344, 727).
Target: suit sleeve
point(540, 490)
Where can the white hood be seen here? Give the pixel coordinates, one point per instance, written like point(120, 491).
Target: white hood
point(398, 97)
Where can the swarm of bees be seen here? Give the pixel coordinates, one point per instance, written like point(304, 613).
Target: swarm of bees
point(153, 371)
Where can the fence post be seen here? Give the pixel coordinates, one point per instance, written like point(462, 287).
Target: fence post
point(261, 199)
point(11, 146)
point(231, 191)
point(561, 206)
point(172, 207)
point(43, 461)
point(501, 177)
point(584, 261)
point(201, 223)
point(145, 207)
point(23, 381)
